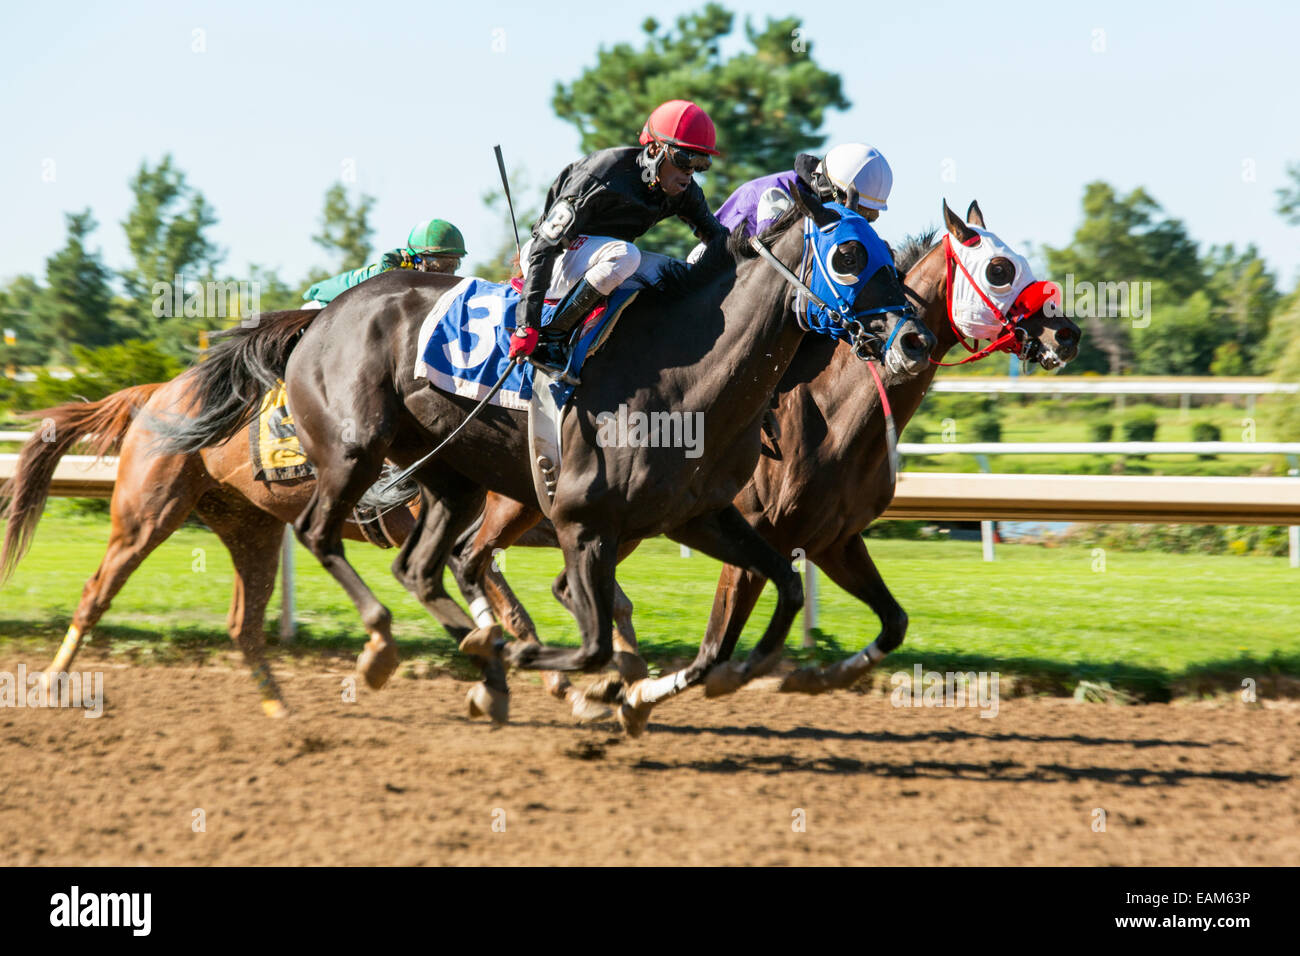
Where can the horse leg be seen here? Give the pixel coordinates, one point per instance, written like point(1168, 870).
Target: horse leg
point(343, 475)
point(449, 503)
point(149, 503)
point(401, 524)
point(851, 567)
point(253, 538)
point(590, 558)
point(485, 588)
point(423, 576)
point(727, 536)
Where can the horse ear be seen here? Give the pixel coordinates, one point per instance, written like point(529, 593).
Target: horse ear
point(810, 205)
point(960, 231)
point(975, 215)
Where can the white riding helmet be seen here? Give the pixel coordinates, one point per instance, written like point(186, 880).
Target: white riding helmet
point(862, 167)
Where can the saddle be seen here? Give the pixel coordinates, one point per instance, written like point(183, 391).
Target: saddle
point(463, 349)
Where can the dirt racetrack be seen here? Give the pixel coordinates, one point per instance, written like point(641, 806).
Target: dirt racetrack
point(402, 777)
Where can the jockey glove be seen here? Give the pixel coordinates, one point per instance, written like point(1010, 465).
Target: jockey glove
point(523, 342)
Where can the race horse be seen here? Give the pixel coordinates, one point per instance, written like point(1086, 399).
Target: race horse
point(715, 341)
point(827, 477)
point(154, 494)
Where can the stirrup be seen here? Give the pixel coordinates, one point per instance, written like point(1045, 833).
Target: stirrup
point(560, 373)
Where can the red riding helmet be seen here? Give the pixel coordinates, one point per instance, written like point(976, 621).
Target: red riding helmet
point(680, 123)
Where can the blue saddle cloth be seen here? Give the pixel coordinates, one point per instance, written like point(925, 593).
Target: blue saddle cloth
point(464, 342)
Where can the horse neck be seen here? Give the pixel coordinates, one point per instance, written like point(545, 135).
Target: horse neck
point(852, 384)
point(760, 330)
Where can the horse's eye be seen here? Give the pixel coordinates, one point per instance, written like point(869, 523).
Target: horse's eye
point(1000, 272)
point(847, 260)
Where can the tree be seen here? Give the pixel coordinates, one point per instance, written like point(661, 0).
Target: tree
point(1182, 339)
point(1288, 197)
point(1126, 239)
point(101, 372)
point(18, 315)
point(767, 102)
point(1245, 294)
point(166, 233)
point(74, 307)
point(346, 229)
point(1284, 347)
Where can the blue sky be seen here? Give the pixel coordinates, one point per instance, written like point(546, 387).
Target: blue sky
point(1023, 103)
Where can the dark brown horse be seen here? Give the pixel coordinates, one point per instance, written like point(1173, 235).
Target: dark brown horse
point(155, 493)
point(716, 344)
point(815, 489)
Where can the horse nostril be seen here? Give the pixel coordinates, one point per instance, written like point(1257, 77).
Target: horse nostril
point(916, 344)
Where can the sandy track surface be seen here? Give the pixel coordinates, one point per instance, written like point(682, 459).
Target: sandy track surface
point(403, 777)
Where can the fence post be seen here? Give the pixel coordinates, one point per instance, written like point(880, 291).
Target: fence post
point(986, 527)
point(809, 603)
point(1294, 531)
point(288, 626)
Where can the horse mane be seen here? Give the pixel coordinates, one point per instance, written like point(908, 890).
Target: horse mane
point(913, 249)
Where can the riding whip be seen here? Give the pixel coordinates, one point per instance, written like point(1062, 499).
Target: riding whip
point(412, 469)
point(501, 165)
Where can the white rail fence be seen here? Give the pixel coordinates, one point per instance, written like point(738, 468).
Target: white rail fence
point(937, 496)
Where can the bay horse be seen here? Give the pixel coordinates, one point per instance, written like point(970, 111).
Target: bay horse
point(815, 490)
point(155, 493)
point(716, 342)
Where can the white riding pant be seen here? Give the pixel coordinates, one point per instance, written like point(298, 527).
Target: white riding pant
point(604, 262)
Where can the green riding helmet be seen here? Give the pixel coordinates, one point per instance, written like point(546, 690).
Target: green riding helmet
point(437, 237)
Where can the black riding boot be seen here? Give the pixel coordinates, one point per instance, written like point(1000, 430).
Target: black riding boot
point(554, 340)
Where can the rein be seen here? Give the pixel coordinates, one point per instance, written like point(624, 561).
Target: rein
point(866, 345)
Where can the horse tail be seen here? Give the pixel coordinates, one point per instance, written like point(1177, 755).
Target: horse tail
point(98, 427)
point(228, 385)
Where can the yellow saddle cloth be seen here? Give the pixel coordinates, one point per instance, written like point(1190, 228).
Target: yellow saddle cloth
point(277, 455)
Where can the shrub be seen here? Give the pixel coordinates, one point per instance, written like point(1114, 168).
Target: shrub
point(1204, 431)
point(1101, 431)
point(1140, 426)
point(987, 428)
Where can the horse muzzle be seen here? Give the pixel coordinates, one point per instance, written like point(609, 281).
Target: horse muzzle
point(912, 347)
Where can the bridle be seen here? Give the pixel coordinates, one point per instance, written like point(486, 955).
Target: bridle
point(1009, 341)
point(842, 316)
point(866, 345)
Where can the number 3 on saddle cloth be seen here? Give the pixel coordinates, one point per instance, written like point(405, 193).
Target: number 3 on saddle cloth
point(464, 343)
point(464, 349)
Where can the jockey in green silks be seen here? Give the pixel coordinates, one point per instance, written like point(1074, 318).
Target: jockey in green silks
point(435, 245)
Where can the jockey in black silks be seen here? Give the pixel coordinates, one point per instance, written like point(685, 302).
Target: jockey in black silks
point(582, 248)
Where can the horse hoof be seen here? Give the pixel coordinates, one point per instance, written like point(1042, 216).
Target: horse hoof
point(377, 662)
point(485, 642)
point(586, 710)
point(633, 719)
point(724, 678)
point(633, 715)
point(485, 701)
point(806, 680)
point(274, 708)
point(556, 684)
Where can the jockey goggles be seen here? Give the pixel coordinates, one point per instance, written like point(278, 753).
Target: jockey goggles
point(687, 159)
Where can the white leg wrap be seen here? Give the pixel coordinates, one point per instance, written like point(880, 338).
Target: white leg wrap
point(653, 690)
point(481, 612)
point(875, 653)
